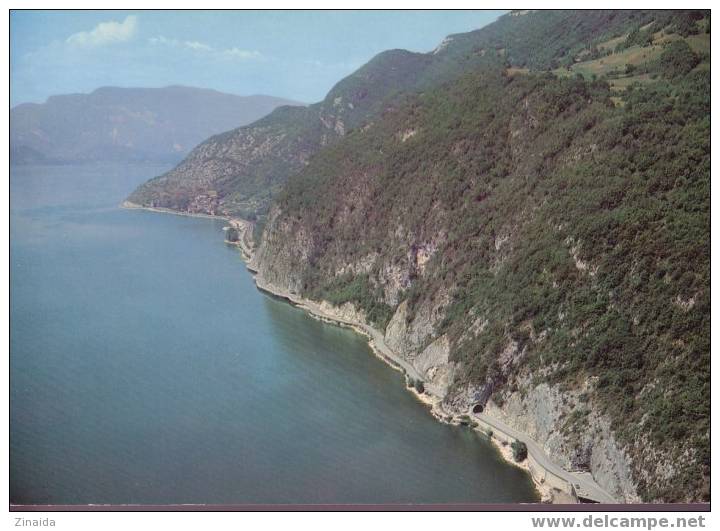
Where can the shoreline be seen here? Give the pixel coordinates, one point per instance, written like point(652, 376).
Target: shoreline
point(129, 205)
point(376, 342)
point(546, 493)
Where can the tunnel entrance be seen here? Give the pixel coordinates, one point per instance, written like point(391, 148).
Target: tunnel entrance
point(477, 408)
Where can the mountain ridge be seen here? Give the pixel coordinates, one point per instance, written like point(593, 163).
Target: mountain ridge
point(135, 123)
point(244, 168)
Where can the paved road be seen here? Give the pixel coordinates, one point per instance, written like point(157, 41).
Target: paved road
point(585, 482)
point(377, 337)
point(587, 485)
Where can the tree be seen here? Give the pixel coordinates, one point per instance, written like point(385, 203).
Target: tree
point(677, 59)
point(686, 24)
point(232, 235)
point(519, 449)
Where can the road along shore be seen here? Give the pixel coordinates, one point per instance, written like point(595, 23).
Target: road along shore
point(554, 484)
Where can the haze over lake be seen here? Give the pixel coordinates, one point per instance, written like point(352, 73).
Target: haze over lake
point(147, 368)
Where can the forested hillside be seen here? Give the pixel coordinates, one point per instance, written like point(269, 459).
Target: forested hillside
point(524, 213)
point(240, 171)
point(553, 229)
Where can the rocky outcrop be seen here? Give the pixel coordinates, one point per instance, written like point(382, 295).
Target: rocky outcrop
point(435, 365)
point(573, 434)
point(279, 258)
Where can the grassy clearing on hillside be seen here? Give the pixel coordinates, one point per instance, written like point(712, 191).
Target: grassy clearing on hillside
point(635, 55)
point(623, 65)
point(515, 71)
point(622, 83)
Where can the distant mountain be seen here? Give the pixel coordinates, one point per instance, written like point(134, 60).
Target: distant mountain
point(113, 123)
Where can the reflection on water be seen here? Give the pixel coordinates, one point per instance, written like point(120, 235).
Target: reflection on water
point(146, 368)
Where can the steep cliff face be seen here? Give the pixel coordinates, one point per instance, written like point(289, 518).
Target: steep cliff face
point(285, 245)
point(239, 172)
point(571, 430)
point(526, 233)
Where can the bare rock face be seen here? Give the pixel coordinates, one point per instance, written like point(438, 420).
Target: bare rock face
point(397, 335)
point(408, 336)
point(572, 434)
point(284, 247)
point(581, 458)
point(434, 363)
point(345, 312)
point(434, 355)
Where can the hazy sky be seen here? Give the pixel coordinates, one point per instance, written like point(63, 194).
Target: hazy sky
point(294, 54)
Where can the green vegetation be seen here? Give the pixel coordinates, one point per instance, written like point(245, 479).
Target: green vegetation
point(244, 184)
point(543, 40)
point(232, 235)
point(358, 290)
point(677, 60)
point(637, 37)
point(467, 421)
point(604, 211)
point(566, 211)
point(519, 451)
point(686, 22)
point(636, 56)
point(246, 179)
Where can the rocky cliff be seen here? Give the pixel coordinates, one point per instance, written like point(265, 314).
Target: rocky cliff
point(542, 237)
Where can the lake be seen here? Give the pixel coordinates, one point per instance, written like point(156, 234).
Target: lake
point(146, 368)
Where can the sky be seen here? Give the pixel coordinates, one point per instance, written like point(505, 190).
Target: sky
point(293, 54)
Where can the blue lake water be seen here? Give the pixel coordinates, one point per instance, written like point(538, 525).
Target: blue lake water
point(147, 368)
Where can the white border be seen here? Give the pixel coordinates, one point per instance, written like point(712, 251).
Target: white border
point(296, 521)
